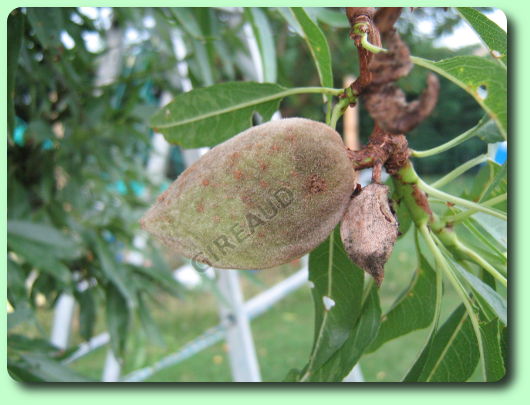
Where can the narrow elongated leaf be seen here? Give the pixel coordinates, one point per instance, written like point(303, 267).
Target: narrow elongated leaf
point(493, 358)
point(318, 45)
point(413, 310)
point(496, 227)
point(493, 36)
point(264, 36)
point(87, 313)
point(16, 284)
point(491, 181)
point(337, 296)
point(497, 243)
point(492, 298)
point(488, 131)
point(114, 271)
point(335, 19)
point(451, 354)
point(20, 315)
point(149, 325)
point(41, 257)
point(203, 62)
point(47, 22)
point(164, 279)
point(187, 21)
point(15, 38)
point(45, 369)
point(118, 319)
point(22, 343)
point(208, 116)
point(286, 13)
point(484, 79)
point(43, 234)
point(343, 360)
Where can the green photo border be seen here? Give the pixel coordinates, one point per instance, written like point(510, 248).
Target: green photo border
point(513, 389)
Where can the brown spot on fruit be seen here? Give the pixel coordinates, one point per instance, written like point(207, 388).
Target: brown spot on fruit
point(205, 182)
point(316, 184)
point(238, 174)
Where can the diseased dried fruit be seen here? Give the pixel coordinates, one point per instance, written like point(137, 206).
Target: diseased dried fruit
point(265, 197)
point(369, 230)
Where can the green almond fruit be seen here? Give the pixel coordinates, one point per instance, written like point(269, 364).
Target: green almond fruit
point(265, 197)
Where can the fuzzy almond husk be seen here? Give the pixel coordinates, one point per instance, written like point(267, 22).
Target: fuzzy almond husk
point(369, 230)
point(264, 197)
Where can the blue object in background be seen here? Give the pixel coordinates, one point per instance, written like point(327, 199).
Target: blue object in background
point(501, 154)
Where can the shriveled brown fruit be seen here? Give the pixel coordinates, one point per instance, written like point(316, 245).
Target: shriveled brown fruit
point(369, 230)
point(263, 198)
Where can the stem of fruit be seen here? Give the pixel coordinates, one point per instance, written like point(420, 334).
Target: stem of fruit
point(314, 90)
point(338, 111)
point(361, 29)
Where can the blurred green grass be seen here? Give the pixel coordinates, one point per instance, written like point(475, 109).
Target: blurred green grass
point(282, 336)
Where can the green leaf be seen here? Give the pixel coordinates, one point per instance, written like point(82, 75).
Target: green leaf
point(489, 296)
point(343, 360)
point(493, 36)
point(41, 257)
point(161, 273)
point(337, 296)
point(264, 36)
point(497, 247)
point(21, 343)
point(318, 45)
point(45, 369)
point(20, 315)
point(114, 271)
point(118, 319)
point(187, 21)
point(44, 234)
point(335, 19)
point(491, 181)
point(452, 353)
point(477, 75)
point(16, 285)
point(496, 227)
point(47, 23)
point(488, 131)
point(149, 325)
point(87, 313)
point(292, 376)
point(286, 13)
point(493, 357)
point(15, 38)
point(413, 310)
point(214, 114)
